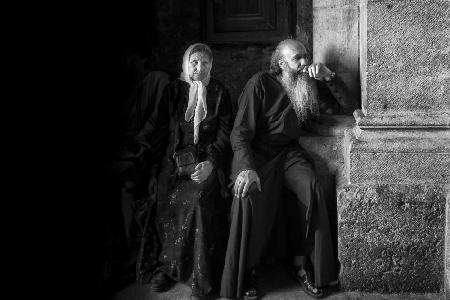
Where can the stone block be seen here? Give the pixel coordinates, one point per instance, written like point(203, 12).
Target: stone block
point(399, 156)
point(391, 237)
point(367, 167)
point(405, 59)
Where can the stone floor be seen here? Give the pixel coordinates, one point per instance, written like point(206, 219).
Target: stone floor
point(274, 283)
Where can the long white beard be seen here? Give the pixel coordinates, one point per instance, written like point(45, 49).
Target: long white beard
point(302, 92)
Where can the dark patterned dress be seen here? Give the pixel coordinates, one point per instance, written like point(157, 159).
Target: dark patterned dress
point(191, 218)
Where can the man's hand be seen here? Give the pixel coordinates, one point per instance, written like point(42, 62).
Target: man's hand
point(202, 171)
point(319, 71)
point(244, 181)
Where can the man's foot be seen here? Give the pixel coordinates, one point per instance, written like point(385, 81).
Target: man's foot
point(250, 291)
point(160, 282)
point(304, 277)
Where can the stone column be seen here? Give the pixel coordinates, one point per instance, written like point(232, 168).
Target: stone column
point(392, 213)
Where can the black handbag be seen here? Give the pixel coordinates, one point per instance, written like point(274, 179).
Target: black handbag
point(186, 160)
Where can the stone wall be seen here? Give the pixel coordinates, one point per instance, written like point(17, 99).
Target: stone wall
point(392, 213)
point(407, 69)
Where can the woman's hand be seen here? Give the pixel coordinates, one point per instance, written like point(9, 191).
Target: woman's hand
point(202, 171)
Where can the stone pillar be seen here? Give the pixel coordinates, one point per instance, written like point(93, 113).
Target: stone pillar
point(392, 213)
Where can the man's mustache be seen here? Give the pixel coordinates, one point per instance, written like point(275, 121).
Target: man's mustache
point(303, 69)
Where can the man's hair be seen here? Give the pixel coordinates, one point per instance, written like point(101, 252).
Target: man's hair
point(277, 56)
point(203, 49)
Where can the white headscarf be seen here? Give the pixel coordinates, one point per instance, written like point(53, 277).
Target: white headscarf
point(197, 93)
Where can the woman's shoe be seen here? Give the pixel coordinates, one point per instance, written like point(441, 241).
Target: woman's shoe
point(160, 282)
point(306, 282)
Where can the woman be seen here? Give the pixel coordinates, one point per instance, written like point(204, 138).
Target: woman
point(195, 115)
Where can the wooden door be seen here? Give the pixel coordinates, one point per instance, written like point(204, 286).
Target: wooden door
point(240, 21)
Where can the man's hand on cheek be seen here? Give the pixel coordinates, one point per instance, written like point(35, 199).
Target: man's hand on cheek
point(319, 71)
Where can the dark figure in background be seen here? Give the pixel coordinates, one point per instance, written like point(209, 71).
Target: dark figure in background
point(268, 160)
point(191, 215)
point(140, 96)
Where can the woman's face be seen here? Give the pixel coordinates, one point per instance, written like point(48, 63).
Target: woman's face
point(199, 66)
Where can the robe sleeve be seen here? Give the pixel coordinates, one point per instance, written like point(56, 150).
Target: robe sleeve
point(221, 145)
point(245, 125)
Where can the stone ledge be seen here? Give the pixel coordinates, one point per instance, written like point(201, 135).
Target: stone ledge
point(402, 119)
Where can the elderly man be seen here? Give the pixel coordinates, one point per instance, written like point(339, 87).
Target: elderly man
point(268, 159)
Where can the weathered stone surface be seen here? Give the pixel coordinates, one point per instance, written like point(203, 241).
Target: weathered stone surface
point(405, 167)
point(399, 156)
point(336, 42)
point(406, 67)
point(391, 237)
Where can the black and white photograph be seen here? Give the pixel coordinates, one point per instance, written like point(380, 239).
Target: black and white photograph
point(254, 149)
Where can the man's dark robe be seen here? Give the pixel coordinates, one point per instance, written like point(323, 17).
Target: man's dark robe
point(265, 138)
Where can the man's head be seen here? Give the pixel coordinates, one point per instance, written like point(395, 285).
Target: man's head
point(288, 62)
point(199, 61)
point(289, 56)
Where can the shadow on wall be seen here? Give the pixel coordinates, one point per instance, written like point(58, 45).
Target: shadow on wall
point(348, 71)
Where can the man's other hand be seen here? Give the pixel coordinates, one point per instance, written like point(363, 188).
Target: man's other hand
point(243, 182)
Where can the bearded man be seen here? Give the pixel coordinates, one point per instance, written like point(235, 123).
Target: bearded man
point(268, 160)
